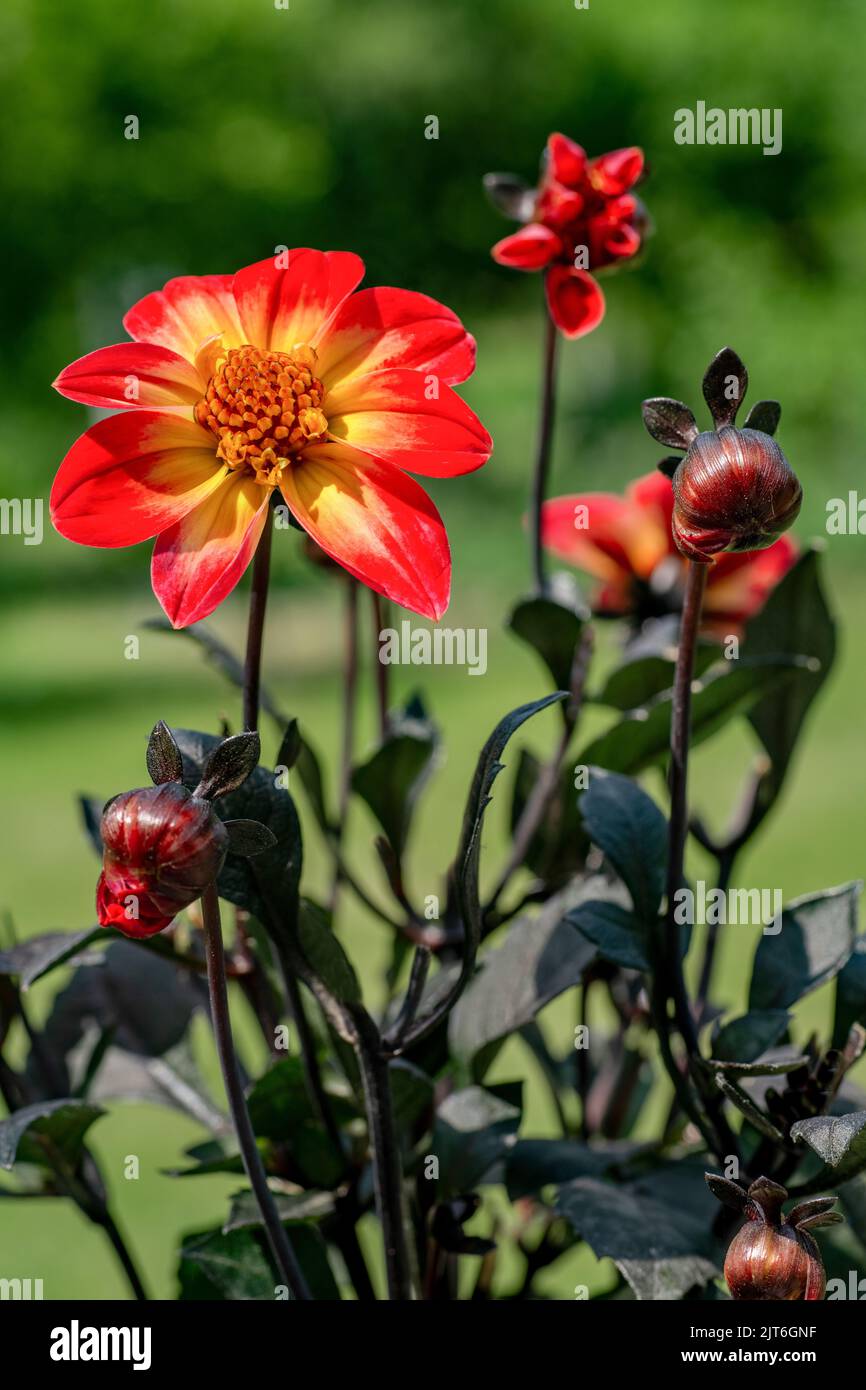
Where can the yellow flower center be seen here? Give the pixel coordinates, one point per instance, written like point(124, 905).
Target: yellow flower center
point(265, 408)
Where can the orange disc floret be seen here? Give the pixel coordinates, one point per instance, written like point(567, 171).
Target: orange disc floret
point(264, 408)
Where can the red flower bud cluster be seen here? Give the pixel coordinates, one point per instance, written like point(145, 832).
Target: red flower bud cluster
point(582, 218)
point(734, 490)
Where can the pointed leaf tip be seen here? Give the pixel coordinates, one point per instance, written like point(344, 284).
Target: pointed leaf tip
point(164, 762)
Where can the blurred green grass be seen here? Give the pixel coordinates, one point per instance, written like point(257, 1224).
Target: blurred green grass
point(260, 128)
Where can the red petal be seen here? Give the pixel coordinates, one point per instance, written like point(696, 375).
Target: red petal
point(622, 242)
point(198, 562)
point(380, 328)
point(411, 419)
point(186, 312)
point(567, 160)
point(289, 298)
point(129, 477)
point(131, 375)
point(374, 521)
point(616, 172)
point(575, 301)
point(611, 538)
point(532, 248)
point(738, 585)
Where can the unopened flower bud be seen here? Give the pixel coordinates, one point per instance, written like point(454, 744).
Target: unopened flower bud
point(162, 847)
point(734, 490)
point(774, 1257)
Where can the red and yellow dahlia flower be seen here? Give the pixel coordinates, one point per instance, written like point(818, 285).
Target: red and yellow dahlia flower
point(283, 376)
point(582, 218)
point(627, 544)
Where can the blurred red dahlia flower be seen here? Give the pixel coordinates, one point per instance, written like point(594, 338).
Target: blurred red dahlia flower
point(627, 543)
point(581, 218)
point(281, 376)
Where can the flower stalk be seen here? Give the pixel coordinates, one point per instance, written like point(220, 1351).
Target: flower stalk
point(284, 1257)
point(547, 413)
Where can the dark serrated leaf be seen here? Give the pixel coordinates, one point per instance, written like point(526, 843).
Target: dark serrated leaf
point(121, 996)
point(325, 954)
point(662, 1247)
point(541, 957)
point(637, 682)
point(725, 384)
point(850, 994)
point(618, 934)
point(745, 1039)
point(391, 780)
point(32, 959)
point(234, 1266)
point(164, 762)
point(642, 737)
point(795, 620)
point(533, 1164)
point(553, 629)
point(61, 1123)
point(472, 1133)
point(245, 1214)
point(669, 422)
point(817, 938)
point(628, 827)
point(840, 1140)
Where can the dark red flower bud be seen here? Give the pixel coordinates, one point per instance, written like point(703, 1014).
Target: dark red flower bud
point(774, 1257)
point(162, 847)
point(734, 490)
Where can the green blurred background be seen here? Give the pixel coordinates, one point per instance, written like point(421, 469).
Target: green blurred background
point(306, 126)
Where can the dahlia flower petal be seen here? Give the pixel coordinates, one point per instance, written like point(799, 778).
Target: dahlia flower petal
point(590, 531)
point(410, 419)
point(738, 585)
point(282, 306)
point(574, 299)
point(185, 312)
point(532, 248)
point(567, 160)
point(374, 521)
point(130, 376)
point(617, 172)
point(380, 328)
point(130, 476)
point(198, 562)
